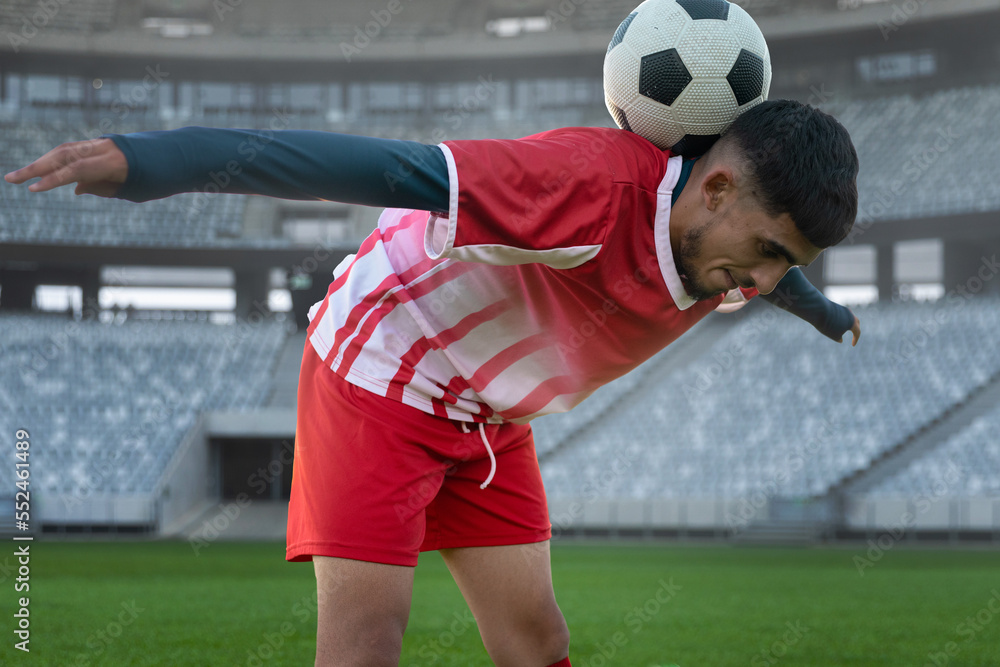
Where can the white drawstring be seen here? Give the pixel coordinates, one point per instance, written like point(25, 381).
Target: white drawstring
point(489, 450)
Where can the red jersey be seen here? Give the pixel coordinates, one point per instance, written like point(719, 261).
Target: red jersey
point(551, 275)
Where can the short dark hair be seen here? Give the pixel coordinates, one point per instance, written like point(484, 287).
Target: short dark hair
point(800, 161)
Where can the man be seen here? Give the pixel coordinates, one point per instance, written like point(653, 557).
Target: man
point(509, 280)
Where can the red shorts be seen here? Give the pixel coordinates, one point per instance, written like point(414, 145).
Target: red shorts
point(380, 481)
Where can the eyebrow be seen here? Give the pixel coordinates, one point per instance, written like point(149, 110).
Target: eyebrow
point(785, 252)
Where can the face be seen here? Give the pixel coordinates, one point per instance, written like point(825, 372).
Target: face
point(739, 245)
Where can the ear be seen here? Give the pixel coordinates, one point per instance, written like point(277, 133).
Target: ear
point(716, 186)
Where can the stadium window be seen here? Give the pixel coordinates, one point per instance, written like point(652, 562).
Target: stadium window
point(74, 90)
point(106, 93)
point(852, 295)
point(311, 231)
point(133, 95)
point(844, 5)
point(394, 97)
point(44, 89)
point(525, 95)
point(893, 67)
point(281, 283)
point(920, 261)
point(186, 99)
point(305, 97)
point(167, 298)
point(59, 298)
point(850, 265)
point(166, 100)
point(167, 276)
point(216, 96)
point(279, 301)
point(167, 288)
point(177, 27)
point(515, 25)
point(918, 268)
point(920, 291)
point(382, 96)
point(440, 95)
point(276, 96)
point(12, 91)
point(245, 96)
point(850, 274)
point(335, 103)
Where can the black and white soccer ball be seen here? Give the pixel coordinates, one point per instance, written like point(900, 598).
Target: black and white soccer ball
point(679, 72)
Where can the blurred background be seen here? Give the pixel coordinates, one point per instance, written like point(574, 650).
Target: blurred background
point(152, 350)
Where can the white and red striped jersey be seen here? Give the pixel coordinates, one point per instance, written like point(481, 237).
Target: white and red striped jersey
point(551, 275)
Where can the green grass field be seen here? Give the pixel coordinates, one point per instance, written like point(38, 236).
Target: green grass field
point(159, 604)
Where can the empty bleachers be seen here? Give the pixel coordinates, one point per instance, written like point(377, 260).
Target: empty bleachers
point(342, 22)
point(967, 464)
point(774, 407)
point(932, 155)
point(107, 404)
point(771, 407)
point(25, 17)
point(920, 156)
point(59, 216)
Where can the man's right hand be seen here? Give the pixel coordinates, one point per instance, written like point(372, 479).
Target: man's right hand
point(96, 166)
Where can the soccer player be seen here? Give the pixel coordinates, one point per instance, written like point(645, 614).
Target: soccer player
point(507, 279)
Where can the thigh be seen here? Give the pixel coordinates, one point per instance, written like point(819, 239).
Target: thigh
point(363, 471)
point(362, 612)
point(509, 590)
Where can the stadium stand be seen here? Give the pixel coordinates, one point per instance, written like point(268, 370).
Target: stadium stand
point(968, 464)
point(743, 404)
point(76, 16)
point(112, 401)
point(559, 430)
point(924, 156)
point(319, 21)
point(59, 216)
point(339, 21)
point(931, 155)
point(772, 406)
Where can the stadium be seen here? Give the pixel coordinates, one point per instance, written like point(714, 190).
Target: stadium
point(753, 494)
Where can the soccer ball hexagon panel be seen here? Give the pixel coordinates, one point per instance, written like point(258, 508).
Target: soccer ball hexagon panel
point(679, 72)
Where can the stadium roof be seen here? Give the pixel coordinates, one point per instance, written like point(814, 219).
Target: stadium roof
point(397, 29)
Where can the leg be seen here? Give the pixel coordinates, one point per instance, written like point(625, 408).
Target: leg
point(362, 612)
point(509, 590)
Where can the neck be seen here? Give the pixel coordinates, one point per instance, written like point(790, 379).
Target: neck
point(683, 207)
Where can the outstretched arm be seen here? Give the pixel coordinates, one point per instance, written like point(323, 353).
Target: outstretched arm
point(798, 296)
point(290, 164)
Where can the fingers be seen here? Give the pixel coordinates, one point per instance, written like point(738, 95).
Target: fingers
point(855, 333)
point(60, 166)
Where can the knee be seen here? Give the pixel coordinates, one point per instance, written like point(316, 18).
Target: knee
point(550, 637)
point(555, 645)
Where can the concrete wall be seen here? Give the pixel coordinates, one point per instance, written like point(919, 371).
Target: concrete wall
point(94, 509)
point(569, 514)
point(187, 481)
point(922, 513)
point(733, 514)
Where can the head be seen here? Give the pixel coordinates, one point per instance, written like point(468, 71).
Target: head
point(776, 190)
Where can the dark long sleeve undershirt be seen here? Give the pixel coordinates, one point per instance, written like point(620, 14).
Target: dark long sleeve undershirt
point(798, 296)
point(306, 164)
point(288, 164)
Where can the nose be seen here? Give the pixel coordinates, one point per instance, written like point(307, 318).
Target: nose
point(766, 278)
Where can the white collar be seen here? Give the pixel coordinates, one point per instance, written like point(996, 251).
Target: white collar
point(661, 236)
